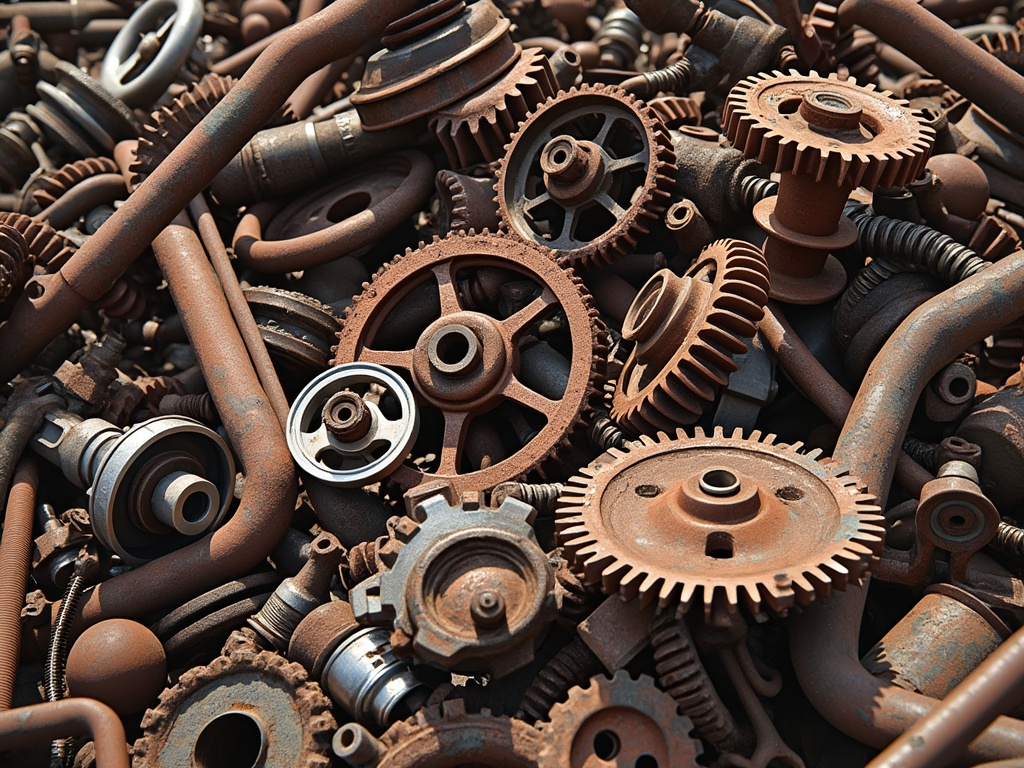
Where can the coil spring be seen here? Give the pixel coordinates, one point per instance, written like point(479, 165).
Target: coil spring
point(620, 36)
point(876, 272)
point(605, 433)
point(361, 563)
point(54, 680)
point(1009, 540)
point(573, 665)
point(675, 78)
point(540, 496)
point(754, 189)
point(198, 407)
point(924, 453)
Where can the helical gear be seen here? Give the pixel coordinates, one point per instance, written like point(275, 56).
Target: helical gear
point(482, 391)
point(476, 129)
point(627, 180)
point(687, 331)
point(245, 684)
point(758, 121)
point(44, 190)
point(615, 722)
point(746, 521)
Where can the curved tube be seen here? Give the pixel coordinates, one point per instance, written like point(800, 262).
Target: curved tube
point(15, 558)
point(300, 50)
point(265, 509)
point(824, 637)
point(964, 66)
point(82, 198)
point(39, 723)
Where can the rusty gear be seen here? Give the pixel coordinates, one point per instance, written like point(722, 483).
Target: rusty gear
point(676, 111)
point(748, 520)
point(46, 246)
point(687, 330)
point(618, 722)
point(44, 189)
point(450, 736)
point(476, 129)
point(241, 697)
point(15, 260)
point(855, 48)
point(774, 118)
point(477, 375)
point(586, 174)
point(470, 587)
point(465, 203)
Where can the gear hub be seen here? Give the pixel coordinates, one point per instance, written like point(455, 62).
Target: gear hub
point(718, 520)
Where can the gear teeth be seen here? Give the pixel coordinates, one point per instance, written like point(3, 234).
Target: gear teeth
point(46, 246)
point(44, 190)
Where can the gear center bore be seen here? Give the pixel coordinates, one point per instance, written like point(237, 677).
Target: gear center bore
point(830, 111)
point(574, 171)
point(460, 359)
point(717, 496)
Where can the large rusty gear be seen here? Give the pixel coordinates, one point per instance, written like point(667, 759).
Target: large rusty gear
point(765, 116)
point(476, 129)
point(587, 174)
point(244, 701)
point(43, 190)
point(464, 347)
point(450, 736)
point(718, 520)
point(687, 330)
point(618, 722)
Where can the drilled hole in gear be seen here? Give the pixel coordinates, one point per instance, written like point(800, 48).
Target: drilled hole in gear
point(647, 491)
point(231, 740)
point(719, 545)
point(720, 482)
point(646, 761)
point(606, 745)
point(789, 493)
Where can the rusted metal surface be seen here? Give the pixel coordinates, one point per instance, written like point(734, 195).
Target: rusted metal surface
point(511, 383)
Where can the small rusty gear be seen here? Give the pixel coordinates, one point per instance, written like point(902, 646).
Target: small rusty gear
point(465, 203)
point(718, 520)
point(450, 736)
point(618, 722)
point(168, 126)
point(43, 190)
point(15, 260)
point(1008, 47)
point(687, 330)
point(676, 111)
point(586, 174)
point(476, 129)
point(871, 139)
point(855, 48)
point(246, 701)
point(455, 318)
point(46, 246)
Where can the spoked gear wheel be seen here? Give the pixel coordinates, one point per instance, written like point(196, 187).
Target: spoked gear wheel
point(587, 174)
point(502, 346)
point(687, 330)
point(618, 723)
point(245, 707)
point(449, 737)
point(717, 520)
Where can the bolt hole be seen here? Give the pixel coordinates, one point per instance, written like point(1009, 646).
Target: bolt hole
point(647, 491)
point(789, 493)
point(719, 482)
point(606, 745)
point(323, 544)
point(35, 290)
point(559, 156)
point(232, 740)
point(571, 57)
point(348, 207)
point(958, 521)
point(959, 387)
point(646, 761)
point(789, 106)
point(719, 545)
point(196, 507)
point(347, 737)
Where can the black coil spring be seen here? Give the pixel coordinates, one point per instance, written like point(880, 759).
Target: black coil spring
point(54, 679)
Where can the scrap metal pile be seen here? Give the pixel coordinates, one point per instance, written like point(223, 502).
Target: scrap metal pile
point(555, 383)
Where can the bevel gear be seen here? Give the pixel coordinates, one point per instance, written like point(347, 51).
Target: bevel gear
point(461, 319)
point(617, 722)
point(687, 330)
point(15, 261)
point(46, 246)
point(718, 520)
point(476, 129)
point(450, 736)
point(247, 705)
point(587, 174)
point(43, 190)
point(676, 111)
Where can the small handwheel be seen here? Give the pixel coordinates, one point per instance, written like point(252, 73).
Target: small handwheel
point(353, 425)
point(151, 49)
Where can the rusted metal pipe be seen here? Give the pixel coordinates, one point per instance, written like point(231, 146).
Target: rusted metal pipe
point(15, 558)
point(991, 689)
point(963, 66)
point(268, 500)
point(824, 637)
point(51, 305)
point(39, 723)
point(82, 198)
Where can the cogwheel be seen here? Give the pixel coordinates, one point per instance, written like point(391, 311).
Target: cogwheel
point(854, 48)
point(618, 722)
point(46, 246)
point(168, 126)
point(717, 520)
point(460, 320)
point(586, 174)
point(251, 705)
point(44, 189)
point(827, 128)
point(675, 111)
point(476, 129)
point(15, 261)
point(687, 330)
point(449, 735)
point(465, 203)
point(1005, 46)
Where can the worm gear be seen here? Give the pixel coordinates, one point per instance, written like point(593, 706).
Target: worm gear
point(618, 722)
point(44, 190)
point(247, 706)
point(718, 520)
point(687, 330)
point(449, 735)
point(587, 174)
point(476, 129)
point(500, 389)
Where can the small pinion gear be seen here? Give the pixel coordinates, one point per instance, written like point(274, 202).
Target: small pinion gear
point(44, 190)
point(828, 128)
point(587, 174)
point(718, 520)
point(687, 330)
